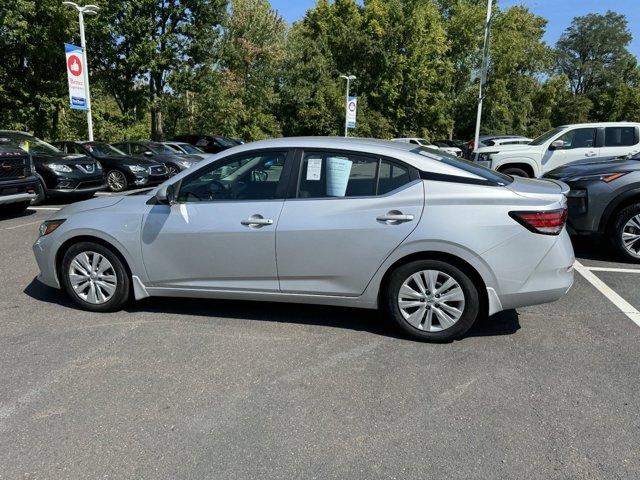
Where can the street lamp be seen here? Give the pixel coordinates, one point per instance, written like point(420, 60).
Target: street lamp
point(349, 79)
point(88, 10)
point(483, 72)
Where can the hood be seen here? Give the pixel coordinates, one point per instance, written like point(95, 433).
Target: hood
point(503, 148)
point(92, 204)
point(64, 158)
point(594, 167)
point(536, 188)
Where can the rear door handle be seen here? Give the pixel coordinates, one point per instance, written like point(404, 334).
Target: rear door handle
point(395, 217)
point(257, 221)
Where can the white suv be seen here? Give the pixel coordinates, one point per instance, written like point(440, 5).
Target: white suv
point(562, 145)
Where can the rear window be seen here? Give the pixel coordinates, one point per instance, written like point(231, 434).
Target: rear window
point(488, 176)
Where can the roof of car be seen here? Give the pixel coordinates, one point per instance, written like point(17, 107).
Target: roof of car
point(602, 124)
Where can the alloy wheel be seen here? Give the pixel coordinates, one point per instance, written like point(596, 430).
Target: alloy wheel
point(631, 236)
point(116, 180)
point(431, 300)
point(172, 170)
point(92, 277)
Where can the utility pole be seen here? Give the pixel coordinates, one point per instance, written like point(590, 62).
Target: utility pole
point(349, 79)
point(483, 72)
point(89, 10)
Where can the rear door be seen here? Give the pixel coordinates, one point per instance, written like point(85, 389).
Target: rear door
point(349, 212)
point(620, 141)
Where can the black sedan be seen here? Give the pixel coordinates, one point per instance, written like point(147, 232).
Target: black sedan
point(58, 173)
point(121, 171)
point(159, 152)
point(604, 200)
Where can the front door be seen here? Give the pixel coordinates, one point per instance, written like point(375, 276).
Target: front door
point(220, 234)
point(578, 144)
point(350, 213)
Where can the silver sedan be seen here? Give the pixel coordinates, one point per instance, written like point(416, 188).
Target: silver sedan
point(435, 241)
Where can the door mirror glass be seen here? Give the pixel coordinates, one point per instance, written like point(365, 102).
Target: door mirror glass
point(166, 195)
point(557, 145)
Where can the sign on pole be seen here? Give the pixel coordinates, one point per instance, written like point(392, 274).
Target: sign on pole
point(352, 109)
point(76, 77)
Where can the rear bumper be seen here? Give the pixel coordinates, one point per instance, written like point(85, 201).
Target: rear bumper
point(551, 279)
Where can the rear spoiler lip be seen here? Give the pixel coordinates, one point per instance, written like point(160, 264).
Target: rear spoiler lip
point(564, 188)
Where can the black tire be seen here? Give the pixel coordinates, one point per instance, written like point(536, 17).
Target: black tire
point(470, 311)
point(618, 229)
point(123, 286)
point(122, 178)
point(516, 172)
point(41, 194)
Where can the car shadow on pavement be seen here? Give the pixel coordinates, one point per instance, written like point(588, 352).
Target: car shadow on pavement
point(598, 250)
point(504, 323)
point(12, 215)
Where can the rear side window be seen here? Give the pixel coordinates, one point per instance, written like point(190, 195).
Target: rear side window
point(331, 175)
point(619, 136)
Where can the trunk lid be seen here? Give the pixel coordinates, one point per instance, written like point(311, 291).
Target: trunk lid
point(546, 189)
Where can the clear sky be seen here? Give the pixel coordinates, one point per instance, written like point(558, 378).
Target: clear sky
point(558, 13)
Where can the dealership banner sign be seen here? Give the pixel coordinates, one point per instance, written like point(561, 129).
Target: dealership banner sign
point(76, 77)
point(352, 110)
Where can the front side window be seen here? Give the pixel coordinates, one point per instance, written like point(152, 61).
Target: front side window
point(619, 136)
point(579, 138)
point(255, 177)
point(138, 149)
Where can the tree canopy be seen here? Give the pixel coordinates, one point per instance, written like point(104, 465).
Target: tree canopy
point(163, 67)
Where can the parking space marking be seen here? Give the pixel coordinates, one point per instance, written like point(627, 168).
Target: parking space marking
point(53, 209)
point(23, 225)
point(624, 306)
point(614, 270)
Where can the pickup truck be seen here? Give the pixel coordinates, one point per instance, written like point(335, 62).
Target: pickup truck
point(560, 146)
point(17, 179)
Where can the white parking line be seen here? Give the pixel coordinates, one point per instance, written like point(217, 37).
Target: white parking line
point(624, 306)
point(616, 270)
point(23, 225)
point(53, 209)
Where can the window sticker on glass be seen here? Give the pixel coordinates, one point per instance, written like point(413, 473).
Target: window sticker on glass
point(338, 171)
point(314, 168)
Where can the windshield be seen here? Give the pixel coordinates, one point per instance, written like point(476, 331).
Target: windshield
point(547, 136)
point(103, 150)
point(470, 167)
point(31, 144)
point(188, 148)
point(160, 149)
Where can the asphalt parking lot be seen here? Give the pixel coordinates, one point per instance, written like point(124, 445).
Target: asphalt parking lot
point(211, 389)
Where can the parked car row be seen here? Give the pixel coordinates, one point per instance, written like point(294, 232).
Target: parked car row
point(33, 171)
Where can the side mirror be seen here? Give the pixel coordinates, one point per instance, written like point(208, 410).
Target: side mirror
point(557, 145)
point(148, 153)
point(166, 195)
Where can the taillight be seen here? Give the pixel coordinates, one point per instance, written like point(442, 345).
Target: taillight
point(546, 223)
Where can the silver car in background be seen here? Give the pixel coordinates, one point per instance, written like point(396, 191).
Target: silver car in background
point(435, 241)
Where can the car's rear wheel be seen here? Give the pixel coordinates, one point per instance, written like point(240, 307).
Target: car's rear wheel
point(431, 300)
point(626, 233)
point(94, 277)
point(117, 181)
point(516, 172)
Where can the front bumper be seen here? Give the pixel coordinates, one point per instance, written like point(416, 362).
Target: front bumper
point(75, 188)
point(17, 191)
point(45, 249)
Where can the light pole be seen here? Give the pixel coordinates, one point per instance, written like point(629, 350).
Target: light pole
point(89, 10)
point(483, 72)
point(349, 79)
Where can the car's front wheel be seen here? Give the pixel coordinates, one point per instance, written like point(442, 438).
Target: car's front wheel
point(94, 277)
point(172, 170)
point(117, 181)
point(626, 233)
point(432, 300)
point(515, 172)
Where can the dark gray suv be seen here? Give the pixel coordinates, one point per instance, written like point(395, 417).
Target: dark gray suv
point(604, 200)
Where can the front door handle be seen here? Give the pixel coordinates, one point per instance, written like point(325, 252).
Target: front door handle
point(590, 154)
point(394, 217)
point(257, 221)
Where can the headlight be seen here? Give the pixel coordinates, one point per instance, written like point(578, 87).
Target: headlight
point(49, 226)
point(60, 168)
point(484, 156)
point(184, 163)
point(602, 177)
point(98, 166)
point(137, 168)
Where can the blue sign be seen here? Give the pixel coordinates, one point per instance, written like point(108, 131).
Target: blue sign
point(352, 109)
